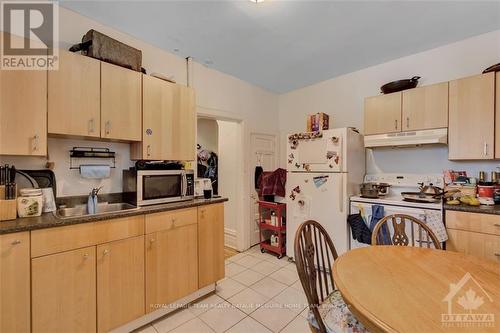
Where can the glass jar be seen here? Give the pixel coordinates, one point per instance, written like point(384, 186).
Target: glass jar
point(29, 202)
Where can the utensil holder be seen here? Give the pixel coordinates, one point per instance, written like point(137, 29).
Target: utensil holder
point(8, 208)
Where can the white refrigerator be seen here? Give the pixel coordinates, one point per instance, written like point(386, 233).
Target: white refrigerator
point(322, 173)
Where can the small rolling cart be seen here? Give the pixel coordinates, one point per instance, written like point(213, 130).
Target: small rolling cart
point(272, 227)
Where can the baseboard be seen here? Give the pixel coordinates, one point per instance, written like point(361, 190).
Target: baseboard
point(152, 316)
point(230, 238)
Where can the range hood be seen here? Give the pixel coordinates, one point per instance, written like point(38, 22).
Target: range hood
point(410, 138)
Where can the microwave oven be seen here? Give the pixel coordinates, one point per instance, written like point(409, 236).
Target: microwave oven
point(149, 187)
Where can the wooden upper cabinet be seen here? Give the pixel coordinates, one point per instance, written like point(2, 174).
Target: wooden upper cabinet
point(15, 283)
point(157, 120)
point(497, 117)
point(425, 107)
point(210, 244)
point(383, 114)
point(64, 292)
point(171, 262)
point(120, 103)
point(74, 96)
point(472, 118)
point(185, 124)
point(23, 112)
point(120, 282)
point(169, 117)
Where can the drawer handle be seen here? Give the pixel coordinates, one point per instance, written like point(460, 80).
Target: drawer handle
point(16, 242)
point(86, 256)
point(497, 254)
point(174, 219)
point(105, 252)
point(496, 225)
point(152, 240)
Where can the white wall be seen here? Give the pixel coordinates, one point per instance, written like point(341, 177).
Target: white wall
point(69, 182)
point(342, 98)
point(207, 134)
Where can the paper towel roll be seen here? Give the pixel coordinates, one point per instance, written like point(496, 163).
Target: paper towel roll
point(95, 171)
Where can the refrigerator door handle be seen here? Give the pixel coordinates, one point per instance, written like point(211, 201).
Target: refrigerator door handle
point(341, 194)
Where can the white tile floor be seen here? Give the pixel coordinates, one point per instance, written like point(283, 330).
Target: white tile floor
point(260, 294)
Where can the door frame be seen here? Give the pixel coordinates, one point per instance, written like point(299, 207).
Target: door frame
point(242, 235)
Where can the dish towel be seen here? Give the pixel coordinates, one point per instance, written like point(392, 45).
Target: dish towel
point(95, 171)
point(377, 215)
point(434, 221)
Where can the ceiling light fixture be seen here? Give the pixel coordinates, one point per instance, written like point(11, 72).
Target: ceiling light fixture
point(256, 1)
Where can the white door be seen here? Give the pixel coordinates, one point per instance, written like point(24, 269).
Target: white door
point(263, 153)
point(319, 197)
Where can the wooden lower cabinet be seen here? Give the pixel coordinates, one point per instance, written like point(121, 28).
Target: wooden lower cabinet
point(15, 282)
point(171, 264)
point(474, 243)
point(210, 244)
point(120, 282)
point(64, 292)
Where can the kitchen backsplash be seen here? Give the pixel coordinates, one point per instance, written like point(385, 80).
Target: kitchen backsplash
point(69, 182)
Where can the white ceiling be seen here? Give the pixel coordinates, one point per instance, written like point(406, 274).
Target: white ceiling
point(284, 45)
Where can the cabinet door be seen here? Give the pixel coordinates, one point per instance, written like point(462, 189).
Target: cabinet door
point(497, 117)
point(23, 112)
point(158, 128)
point(425, 107)
point(171, 265)
point(15, 282)
point(74, 99)
point(474, 243)
point(120, 103)
point(472, 118)
point(64, 292)
point(120, 282)
point(184, 126)
point(383, 114)
point(211, 244)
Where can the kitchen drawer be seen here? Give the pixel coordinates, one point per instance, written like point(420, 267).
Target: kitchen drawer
point(474, 243)
point(171, 219)
point(59, 239)
point(484, 223)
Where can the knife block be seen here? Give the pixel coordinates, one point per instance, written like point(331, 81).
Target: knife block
point(8, 208)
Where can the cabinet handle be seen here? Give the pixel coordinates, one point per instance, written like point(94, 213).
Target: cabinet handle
point(91, 125)
point(174, 219)
point(86, 256)
point(496, 225)
point(16, 242)
point(396, 124)
point(35, 142)
point(148, 150)
point(407, 122)
point(497, 254)
point(108, 127)
point(105, 252)
point(485, 149)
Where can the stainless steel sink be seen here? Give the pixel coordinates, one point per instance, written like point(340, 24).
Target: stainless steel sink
point(102, 208)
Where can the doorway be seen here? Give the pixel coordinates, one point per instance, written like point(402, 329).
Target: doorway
point(221, 140)
point(262, 153)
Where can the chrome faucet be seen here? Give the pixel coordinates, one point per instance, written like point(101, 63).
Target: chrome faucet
point(92, 201)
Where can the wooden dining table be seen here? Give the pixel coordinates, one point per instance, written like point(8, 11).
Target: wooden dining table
point(410, 289)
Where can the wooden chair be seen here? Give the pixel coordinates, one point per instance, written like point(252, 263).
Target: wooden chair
point(399, 237)
point(314, 257)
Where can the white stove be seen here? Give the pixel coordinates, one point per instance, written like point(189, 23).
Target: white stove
point(401, 183)
point(393, 202)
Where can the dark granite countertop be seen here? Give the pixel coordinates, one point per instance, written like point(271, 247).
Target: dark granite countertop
point(474, 209)
point(48, 220)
